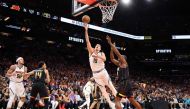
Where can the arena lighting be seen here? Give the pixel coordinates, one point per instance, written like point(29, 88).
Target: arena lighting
point(13, 26)
point(149, 0)
point(25, 29)
point(126, 2)
point(69, 45)
point(55, 17)
point(28, 38)
point(31, 11)
point(50, 42)
point(4, 5)
point(5, 34)
point(180, 36)
point(46, 15)
point(15, 7)
point(74, 22)
point(28, 29)
point(7, 18)
point(24, 10)
point(147, 37)
point(37, 13)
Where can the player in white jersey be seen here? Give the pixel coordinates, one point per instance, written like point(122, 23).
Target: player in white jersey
point(97, 65)
point(16, 74)
point(87, 90)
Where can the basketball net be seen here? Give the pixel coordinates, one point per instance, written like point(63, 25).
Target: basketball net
point(108, 8)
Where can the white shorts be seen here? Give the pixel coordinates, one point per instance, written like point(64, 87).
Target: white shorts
point(87, 90)
point(102, 78)
point(86, 94)
point(16, 89)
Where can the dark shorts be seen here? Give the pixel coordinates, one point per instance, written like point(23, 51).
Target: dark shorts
point(124, 89)
point(41, 89)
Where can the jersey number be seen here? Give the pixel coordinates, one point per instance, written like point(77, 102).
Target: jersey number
point(19, 75)
point(95, 60)
point(38, 75)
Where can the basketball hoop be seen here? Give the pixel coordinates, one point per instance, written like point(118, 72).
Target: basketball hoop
point(88, 2)
point(108, 8)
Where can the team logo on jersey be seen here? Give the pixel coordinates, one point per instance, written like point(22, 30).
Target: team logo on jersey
point(95, 60)
point(19, 75)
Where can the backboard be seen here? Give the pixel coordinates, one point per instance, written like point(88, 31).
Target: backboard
point(81, 6)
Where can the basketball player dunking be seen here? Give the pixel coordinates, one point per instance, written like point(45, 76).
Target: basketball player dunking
point(16, 75)
point(124, 86)
point(100, 74)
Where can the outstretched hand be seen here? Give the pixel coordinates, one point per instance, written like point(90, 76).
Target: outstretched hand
point(26, 76)
point(114, 44)
point(108, 39)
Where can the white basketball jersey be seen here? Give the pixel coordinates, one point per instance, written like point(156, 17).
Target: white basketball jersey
point(96, 64)
point(19, 74)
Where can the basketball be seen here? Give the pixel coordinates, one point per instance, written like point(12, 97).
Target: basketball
point(85, 19)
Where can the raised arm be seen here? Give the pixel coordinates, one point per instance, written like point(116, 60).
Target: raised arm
point(113, 60)
point(114, 49)
point(89, 47)
point(10, 71)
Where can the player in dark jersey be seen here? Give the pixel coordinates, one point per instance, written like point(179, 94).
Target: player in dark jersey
point(123, 82)
point(41, 77)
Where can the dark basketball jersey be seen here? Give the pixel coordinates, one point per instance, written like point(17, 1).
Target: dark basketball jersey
point(123, 73)
point(39, 76)
point(124, 85)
